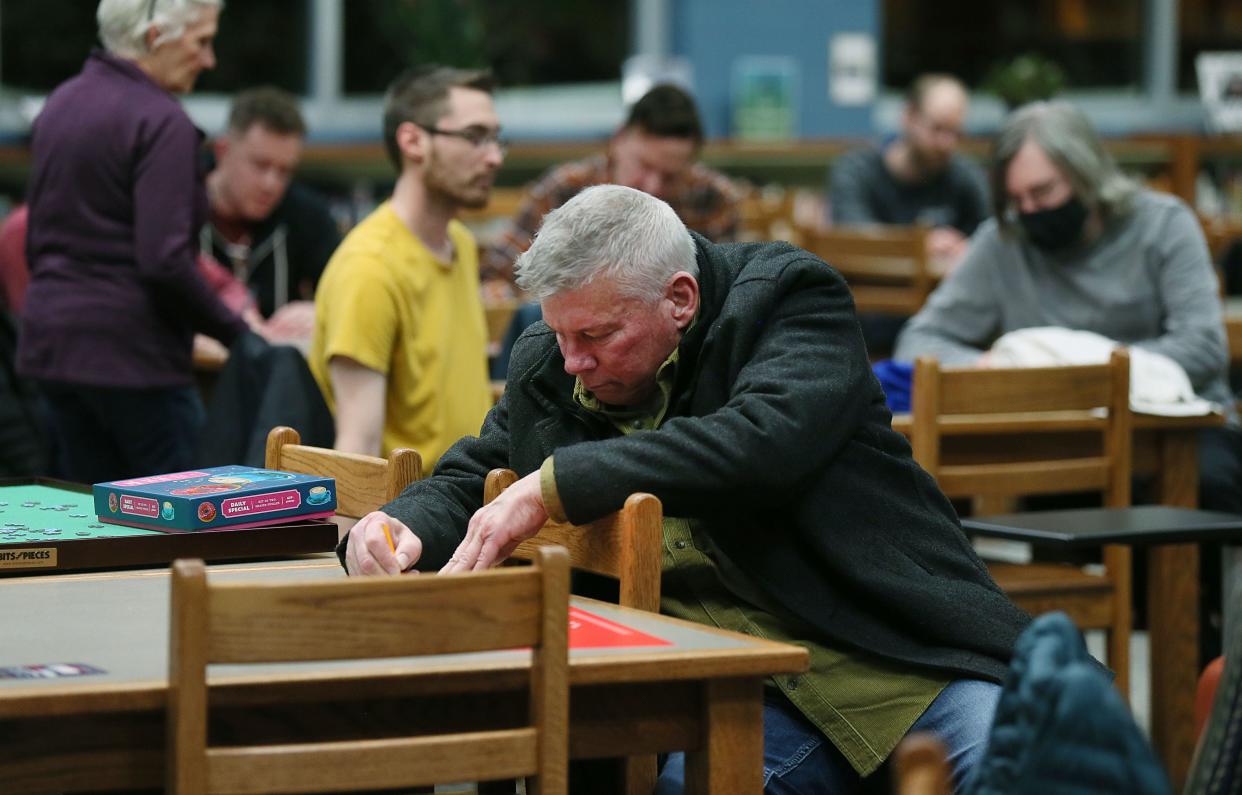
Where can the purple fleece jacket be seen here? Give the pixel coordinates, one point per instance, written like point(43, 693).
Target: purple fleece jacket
point(116, 202)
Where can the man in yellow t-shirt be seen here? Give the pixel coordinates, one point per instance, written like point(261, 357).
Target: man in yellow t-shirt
point(400, 342)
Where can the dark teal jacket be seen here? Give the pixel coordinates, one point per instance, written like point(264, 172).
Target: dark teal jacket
point(778, 439)
point(1061, 728)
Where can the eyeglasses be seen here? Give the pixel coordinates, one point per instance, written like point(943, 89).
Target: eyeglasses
point(478, 137)
point(150, 10)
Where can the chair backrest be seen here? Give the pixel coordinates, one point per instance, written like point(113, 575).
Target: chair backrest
point(886, 267)
point(363, 482)
point(498, 314)
point(1027, 403)
point(383, 617)
point(625, 545)
point(922, 766)
point(1218, 234)
point(767, 214)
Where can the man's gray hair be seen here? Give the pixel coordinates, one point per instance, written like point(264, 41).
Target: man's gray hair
point(612, 232)
point(123, 24)
point(1066, 136)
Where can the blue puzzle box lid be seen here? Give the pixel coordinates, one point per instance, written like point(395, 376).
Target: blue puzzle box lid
point(214, 497)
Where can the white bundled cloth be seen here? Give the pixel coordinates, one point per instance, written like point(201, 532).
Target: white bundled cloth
point(1158, 385)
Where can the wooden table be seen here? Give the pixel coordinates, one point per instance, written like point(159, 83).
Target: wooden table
point(702, 693)
point(1167, 449)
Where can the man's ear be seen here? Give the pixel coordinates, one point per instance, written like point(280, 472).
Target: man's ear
point(220, 147)
point(150, 37)
point(412, 141)
point(683, 293)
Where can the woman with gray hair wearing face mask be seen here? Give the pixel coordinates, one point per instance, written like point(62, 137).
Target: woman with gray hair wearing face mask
point(1076, 244)
point(116, 199)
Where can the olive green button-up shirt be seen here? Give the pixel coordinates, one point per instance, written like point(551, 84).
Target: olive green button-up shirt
point(863, 704)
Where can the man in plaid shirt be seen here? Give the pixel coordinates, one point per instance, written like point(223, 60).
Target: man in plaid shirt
point(655, 152)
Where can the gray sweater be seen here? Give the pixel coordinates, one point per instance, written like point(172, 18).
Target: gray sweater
point(1146, 281)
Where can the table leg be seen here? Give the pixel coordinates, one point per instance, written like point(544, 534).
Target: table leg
point(1173, 613)
point(730, 759)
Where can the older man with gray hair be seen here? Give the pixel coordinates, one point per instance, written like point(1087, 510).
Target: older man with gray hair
point(731, 382)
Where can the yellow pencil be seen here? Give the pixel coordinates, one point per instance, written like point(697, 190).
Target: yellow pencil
point(388, 535)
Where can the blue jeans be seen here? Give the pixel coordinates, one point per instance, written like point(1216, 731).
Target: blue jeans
point(799, 760)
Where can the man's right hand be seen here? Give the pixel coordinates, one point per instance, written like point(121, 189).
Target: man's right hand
point(368, 552)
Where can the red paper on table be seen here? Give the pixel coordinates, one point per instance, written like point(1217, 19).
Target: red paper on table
point(589, 631)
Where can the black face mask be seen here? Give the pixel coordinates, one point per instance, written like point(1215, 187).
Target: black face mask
point(1055, 228)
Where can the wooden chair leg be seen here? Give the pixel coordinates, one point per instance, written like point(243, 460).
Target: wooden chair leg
point(1117, 562)
point(638, 775)
point(1119, 660)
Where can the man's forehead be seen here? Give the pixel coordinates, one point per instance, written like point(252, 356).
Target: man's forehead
point(259, 132)
point(470, 106)
point(598, 298)
point(944, 103)
point(666, 151)
point(1030, 168)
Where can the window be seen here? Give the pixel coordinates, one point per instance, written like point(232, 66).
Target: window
point(260, 42)
point(43, 44)
point(535, 42)
point(1098, 43)
point(1205, 26)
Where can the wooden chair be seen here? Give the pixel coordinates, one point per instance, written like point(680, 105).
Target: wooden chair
point(499, 314)
point(363, 482)
point(1218, 233)
point(381, 617)
point(886, 267)
point(922, 766)
point(626, 546)
point(1034, 406)
point(767, 214)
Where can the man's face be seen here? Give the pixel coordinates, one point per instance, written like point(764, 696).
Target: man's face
point(456, 170)
point(615, 344)
point(934, 130)
point(254, 170)
point(1033, 182)
point(653, 164)
point(176, 63)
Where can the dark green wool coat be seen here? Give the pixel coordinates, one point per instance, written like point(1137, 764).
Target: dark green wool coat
point(778, 439)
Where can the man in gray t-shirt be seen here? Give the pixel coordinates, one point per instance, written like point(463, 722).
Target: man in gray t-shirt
point(918, 177)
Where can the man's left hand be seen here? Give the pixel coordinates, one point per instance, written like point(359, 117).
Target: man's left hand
point(497, 528)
